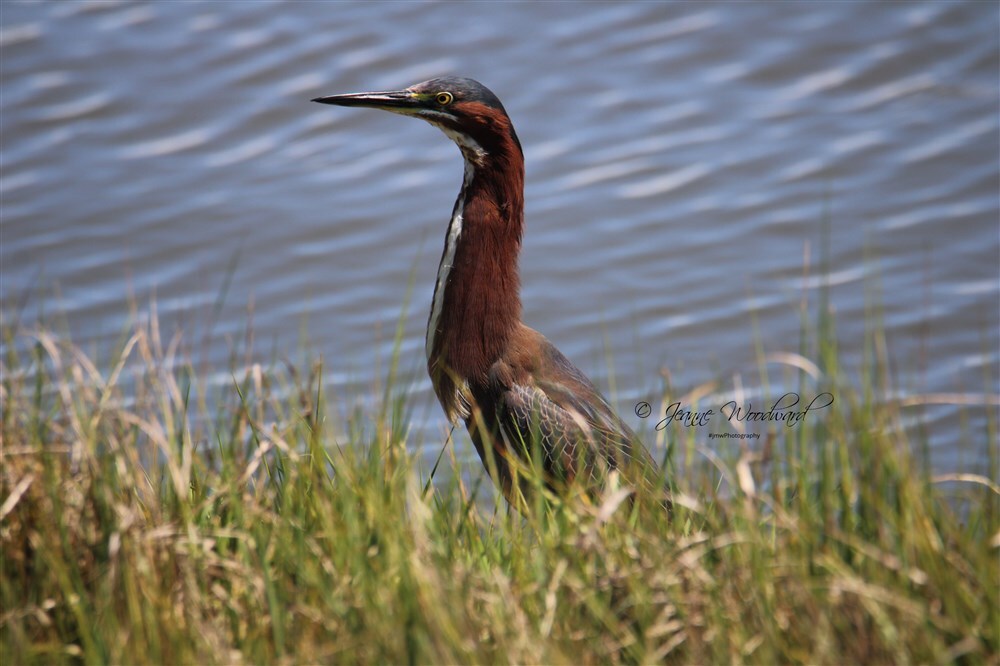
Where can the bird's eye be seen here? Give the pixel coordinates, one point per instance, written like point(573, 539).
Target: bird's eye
point(443, 98)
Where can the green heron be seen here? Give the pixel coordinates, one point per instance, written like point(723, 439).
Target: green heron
point(526, 407)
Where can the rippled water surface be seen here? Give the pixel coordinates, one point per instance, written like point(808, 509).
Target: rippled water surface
point(681, 162)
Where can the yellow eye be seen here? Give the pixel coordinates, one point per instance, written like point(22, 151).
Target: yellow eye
point(444, 98)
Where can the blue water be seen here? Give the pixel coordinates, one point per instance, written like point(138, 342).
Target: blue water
point(681, 162)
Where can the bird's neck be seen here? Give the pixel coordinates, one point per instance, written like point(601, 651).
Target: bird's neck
point(477, 302)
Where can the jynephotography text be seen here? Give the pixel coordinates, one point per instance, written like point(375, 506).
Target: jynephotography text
point(789, 409)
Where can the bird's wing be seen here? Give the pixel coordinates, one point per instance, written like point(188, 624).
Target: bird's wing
point(563, 417)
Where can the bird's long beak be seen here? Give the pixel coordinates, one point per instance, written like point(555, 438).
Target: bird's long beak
point(399, 101)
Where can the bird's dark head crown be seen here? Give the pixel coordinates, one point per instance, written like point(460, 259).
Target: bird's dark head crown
point(462, 90)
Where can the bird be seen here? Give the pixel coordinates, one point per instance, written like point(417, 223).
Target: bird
point(531, 414)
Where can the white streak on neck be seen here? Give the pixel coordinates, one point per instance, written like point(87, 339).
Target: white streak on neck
point(470, 148)
point(447, 261)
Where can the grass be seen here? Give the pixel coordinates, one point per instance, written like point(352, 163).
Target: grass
point(139, 524)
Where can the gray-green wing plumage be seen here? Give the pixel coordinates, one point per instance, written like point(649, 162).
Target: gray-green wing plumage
point(571, 426)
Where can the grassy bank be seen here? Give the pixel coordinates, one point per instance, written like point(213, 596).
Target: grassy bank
point(139, 525)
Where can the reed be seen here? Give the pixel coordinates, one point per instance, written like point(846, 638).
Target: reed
point(148, 516)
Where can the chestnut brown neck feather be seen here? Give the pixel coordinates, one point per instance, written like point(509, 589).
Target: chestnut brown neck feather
point(480, 303)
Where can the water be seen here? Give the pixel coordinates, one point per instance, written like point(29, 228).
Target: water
point(680, 160)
